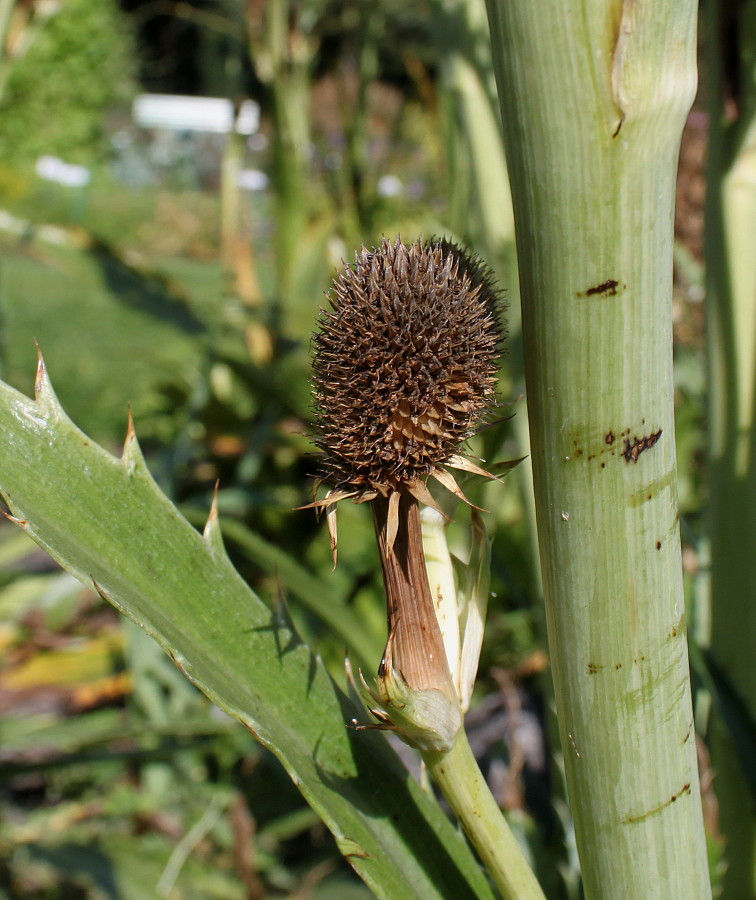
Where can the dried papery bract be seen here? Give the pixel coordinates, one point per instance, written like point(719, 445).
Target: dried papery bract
point(460, 591)
point(415, 691)
point(405, 370)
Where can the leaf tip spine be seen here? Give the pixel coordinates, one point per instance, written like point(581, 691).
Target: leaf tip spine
point(22, 523)
point(212, 530)
point(43, 389)
point(132, 458)
point(100, 590)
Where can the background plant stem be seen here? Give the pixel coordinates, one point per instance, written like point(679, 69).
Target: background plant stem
point(594, 97)
point(731, 296)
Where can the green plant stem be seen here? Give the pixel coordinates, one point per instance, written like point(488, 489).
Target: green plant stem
point(594, 97)
point(231, 233)
point(731, 334)
point(480, 199)
point(457, 774)
point(287, 74)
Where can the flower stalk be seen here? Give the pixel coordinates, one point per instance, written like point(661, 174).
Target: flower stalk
point(731, 338)
point(457, 774)
point(419, 701)
point(405, 370)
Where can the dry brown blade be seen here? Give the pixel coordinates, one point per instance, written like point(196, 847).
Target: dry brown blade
point(21, 522)
point(392, 520)
point(449, 482)
point(421, 493)
point(415, 648)
point(212, 518)
point(464, 465)
point(331, 509)
point(330, 498)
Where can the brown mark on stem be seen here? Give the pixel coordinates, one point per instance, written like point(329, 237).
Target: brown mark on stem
point(633, 820)
point(677, 628)
point(608, 288)
point(597, 445)
point(635, 446)
point(415, 647)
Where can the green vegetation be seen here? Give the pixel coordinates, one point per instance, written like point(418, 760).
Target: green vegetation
point(78, 68)
point(118, 777)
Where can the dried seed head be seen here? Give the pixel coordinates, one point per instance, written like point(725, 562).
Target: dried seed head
point(405, 365)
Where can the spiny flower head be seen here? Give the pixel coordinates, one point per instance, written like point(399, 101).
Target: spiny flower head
point(405, 368)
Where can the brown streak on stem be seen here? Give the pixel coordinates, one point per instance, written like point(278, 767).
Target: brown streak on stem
point(633, 820)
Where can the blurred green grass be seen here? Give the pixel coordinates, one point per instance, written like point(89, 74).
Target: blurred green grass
point(110, 336)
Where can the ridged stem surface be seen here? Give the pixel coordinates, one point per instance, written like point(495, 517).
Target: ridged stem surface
point(594, 97)
point(457, 774)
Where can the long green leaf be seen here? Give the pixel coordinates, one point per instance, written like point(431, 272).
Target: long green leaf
point(311, 591)
point(106, 521)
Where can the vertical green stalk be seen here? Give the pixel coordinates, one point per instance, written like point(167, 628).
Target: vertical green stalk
point(364, 65)
point(230, 200)
point(731, 301)
point(456, 772)
point(281, 49)
point(594, 96)
point(289, 85)
point(480, 199)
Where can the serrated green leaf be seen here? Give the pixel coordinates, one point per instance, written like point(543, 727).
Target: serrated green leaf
point(107, 522)
point(311, 591)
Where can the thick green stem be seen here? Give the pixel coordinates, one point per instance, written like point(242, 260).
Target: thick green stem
point(594, 97)
point(462, 784)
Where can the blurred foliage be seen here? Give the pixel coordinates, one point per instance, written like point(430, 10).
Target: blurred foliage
point(58, 95)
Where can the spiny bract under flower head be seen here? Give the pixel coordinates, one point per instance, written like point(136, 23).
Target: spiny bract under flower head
point(405, 364)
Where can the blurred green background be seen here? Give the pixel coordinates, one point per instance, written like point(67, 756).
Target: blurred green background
point(183, 279)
